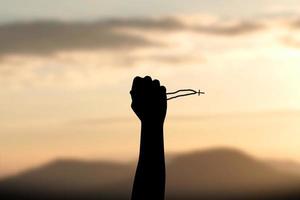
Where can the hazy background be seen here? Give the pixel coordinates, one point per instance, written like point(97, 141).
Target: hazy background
point(66, 68)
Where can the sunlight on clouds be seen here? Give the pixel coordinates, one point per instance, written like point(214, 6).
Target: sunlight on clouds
point(242, 67)
point(183, 53)
point(197, 19)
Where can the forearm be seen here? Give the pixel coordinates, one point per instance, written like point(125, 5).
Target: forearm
point(150, 174)
point(152, 143)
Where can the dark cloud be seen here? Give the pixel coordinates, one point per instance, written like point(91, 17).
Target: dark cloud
point(172, 24)
point(163, 24)
point(46, 37)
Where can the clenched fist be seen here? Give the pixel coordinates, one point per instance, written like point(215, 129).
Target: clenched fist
point(149, 100)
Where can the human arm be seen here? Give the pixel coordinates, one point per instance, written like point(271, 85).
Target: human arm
point(150, 105)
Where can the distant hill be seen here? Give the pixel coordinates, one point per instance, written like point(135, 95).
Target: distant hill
point(285, 166)
point(212, 174)
point(71, 179)
point(225, 172)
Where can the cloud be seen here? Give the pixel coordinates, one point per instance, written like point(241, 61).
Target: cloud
point(51, 54)
point(291, 38)
point(171, 59)
point(296, 24)
point(163, 24)
point(291, 42)
point(200, 26)
point(231, 30)
point(47, 37)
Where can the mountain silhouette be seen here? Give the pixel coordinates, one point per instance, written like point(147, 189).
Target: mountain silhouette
point(211, 174)
point(223, 172)
point(285, 166)
point(71, 179)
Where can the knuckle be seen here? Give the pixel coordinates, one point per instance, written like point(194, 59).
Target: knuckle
point(163, 88)
point(156, 82)
point(148, 78)
point(136, 79)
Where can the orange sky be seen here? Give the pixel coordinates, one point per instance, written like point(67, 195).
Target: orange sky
point(72, 99)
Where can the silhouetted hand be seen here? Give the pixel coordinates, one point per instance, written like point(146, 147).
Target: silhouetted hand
point(149, 100)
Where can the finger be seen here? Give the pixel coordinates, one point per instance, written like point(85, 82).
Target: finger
point(163, 89)
point(147, 78)
point(156, 83)
point(136, 83)
point(147, 82)
point(156, 88)
point(163, 92)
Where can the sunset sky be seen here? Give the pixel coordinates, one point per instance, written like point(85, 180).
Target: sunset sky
point(66, 68)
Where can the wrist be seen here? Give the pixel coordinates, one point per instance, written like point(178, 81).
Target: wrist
point(152, 129)
point(149, 124)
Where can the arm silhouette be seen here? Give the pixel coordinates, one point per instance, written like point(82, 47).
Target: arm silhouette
point(149, 103)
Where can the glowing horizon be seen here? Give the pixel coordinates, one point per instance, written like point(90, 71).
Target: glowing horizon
point(58, 86)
